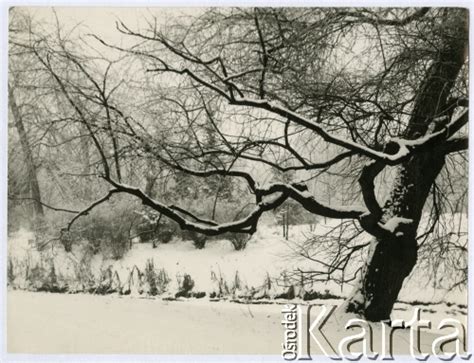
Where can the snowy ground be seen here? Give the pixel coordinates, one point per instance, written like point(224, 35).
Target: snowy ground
point(266, 255)
point(45, 323)
point(90, 324)
point(56, 323)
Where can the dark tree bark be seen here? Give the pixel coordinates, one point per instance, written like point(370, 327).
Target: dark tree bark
point(28, 155)
point(394, 254)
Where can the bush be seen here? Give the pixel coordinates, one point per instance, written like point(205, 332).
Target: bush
point(134, 282)
point(84, 279)
point(36, 277)
point(222, 287)
point(288, 295)
point(151, 278)
point(44, 279)
point(185, 287)
point(239, 289)
point(311, 295)
point(51, 284)
point(162, 280)
point(155, 227)
point(117, 246)
point(106, 282)
point(238, 240)
point(199, 240)
point(188, 283)
point(108, 229)
point(146, 231)
point(156, 281)
point(165, 235)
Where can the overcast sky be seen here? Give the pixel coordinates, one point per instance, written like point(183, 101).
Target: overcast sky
point(101, 20)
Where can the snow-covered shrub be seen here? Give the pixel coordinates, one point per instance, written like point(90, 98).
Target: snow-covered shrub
point(35, 276)
point(145, 230)
point(237, 282)
point(239, 289)
point(188, 283)
point(155, 227)
point(108, 229)
point(165, 234)
point(43, 277)
point(117, 246)
point(185, 286)
point(50, 281)
point(222, 288)
point(288, 294)
point(134, 283)
point(162, 280)
point(109, 282)
point(199, 240)
point(238, 240)
point(151, 278)
point(83, 278)
point(312, 294)
point(263, 291)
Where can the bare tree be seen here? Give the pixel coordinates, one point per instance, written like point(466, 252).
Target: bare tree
point(35, 193)
point(18, 25)
point(382, 92)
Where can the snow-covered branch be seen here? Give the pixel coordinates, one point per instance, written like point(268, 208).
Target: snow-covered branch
point(219, 83)
point(299, 193)
point(248, 224)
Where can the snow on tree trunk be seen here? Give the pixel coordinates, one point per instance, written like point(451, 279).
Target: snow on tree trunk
point(391, 261)
point(392, 258)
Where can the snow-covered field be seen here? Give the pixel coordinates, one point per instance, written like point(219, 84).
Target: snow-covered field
point(266, 256)
point(140, 324)
point(43, 323)
point(46, 323)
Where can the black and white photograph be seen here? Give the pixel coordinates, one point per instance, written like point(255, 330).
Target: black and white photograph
point(258, 183)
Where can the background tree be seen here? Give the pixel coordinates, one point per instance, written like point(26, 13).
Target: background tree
point(20, 112)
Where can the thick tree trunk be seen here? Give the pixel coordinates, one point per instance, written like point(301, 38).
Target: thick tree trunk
point(394, 255)
point(390, 263)
point(28, 155)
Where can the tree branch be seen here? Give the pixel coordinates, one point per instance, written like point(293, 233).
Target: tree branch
point(456, 144)
point(86, 211)
point(360, 18)
point(45, 205)
point(366, 181)
point(247, 224)
point(299, 193)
